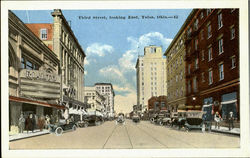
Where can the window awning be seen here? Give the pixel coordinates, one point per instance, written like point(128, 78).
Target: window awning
point(36, 102)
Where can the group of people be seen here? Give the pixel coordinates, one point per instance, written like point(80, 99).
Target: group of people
point(32, 122)
point(218, 119)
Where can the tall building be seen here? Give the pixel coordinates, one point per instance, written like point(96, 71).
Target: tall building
point(95, 100)
point(60, 38)
point(176, 78)
point(150, 75)
point(106, 89)
point(34, 82)
point(212, 60)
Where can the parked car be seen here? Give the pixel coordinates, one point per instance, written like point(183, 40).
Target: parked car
point(62, 126)
point(178, 119)
point(94, 120)
point(194, 120)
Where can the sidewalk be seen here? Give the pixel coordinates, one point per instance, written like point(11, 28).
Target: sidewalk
point(234, 131)
point(27, 135)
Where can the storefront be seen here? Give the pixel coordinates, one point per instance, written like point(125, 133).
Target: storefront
point(229, 104)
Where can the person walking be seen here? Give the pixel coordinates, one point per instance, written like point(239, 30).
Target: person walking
point(231, 120)
point(21, 123)
point(217, 119)
point(47, 121)
point(29, 123)
point(41, 123)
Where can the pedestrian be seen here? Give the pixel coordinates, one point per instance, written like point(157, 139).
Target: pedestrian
point(47, 121)
point(29, 123)
point(36, 121)
point(217, 119)
point(231, 120)
point(21, 123)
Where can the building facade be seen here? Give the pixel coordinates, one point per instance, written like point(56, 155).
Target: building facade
point(212, 60)
point(150, 75)
point(106, 89)
point(34, 81)
point(176, 78)
point(95, 100)
point(61, 39)
point(157, 104)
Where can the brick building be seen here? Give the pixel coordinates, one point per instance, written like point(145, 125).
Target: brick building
point(156, 104)
point(212, 60)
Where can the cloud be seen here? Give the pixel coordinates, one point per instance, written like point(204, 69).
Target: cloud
point(125, 103)
point(111, 71)
point(128, 60)
point(99, 49)
point(85, 72)
point(124, 88)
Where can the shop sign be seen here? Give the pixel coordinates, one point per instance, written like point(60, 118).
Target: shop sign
point(39, 75)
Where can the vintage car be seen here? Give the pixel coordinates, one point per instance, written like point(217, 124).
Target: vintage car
point(178, 119)
point(153, 118)
point(62, 126)
point(194, 120)
point(167, 119)
point(80, 120)
point(94, 120)
point(136, 118)
point(120, 119)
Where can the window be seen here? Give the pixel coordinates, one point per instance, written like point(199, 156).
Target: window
point(195, 84)
point(26, 64)
point(209, 11)
point(233, 62)
point(210, 76)
point(189, 68)
point(232, 33)
point(189, 86)
point(210, 55)
point(202, 34)
point(196, 44)
point(202, 55)
point(209, 31)
point(221, 71)
point(196, 63)
point(203, 77)
point(220, 24)
point(196, 24)
point(221, 50)
point(43, 34)
point(201, 15)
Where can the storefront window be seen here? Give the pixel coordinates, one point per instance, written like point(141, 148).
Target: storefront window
point(229, 104)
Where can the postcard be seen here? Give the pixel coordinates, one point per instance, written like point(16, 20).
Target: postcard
point(125, 79)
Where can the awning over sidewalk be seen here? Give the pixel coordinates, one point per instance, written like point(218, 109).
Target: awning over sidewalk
point(33, 101)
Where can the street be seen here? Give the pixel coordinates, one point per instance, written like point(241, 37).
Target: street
point(143, 135)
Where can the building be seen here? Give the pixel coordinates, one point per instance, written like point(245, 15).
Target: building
point(176, 77)
point(212, 60)
point(157, 104)
point(61, 39)
point(34, 82)
point(95, 100)
point(106, 89)
point(150, 75)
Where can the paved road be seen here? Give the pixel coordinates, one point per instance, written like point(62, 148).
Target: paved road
point(143, 135)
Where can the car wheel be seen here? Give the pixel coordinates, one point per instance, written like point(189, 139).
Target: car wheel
point(59, 131)
point(74, 128)
point(161, 123)
point(85, 125)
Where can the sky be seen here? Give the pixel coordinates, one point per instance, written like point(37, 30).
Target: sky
point(113, 45)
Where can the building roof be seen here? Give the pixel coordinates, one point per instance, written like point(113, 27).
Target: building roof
point(183, 27)
point(58, 12)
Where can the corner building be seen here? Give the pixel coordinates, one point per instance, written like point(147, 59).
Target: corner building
point(34, 80)
point(212, 60)
point(60, 38)
point(176, 76)
point(150, 75)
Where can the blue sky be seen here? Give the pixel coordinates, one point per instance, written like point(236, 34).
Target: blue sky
point(112, 45)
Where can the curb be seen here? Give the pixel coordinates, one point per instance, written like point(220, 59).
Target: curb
point(224, 132)
point(14, 139)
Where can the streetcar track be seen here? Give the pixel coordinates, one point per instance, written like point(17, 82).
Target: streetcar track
point(129, 137)
point(109, 136)
point(172, 137)
point(152, 137)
